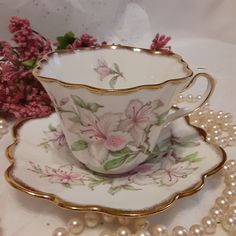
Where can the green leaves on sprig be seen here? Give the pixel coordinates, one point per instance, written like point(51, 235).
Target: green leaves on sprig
point(64, 41)
point(93, 107)
point(29, 64)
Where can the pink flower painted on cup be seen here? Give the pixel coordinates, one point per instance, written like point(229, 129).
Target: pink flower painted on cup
point(101, 133)
point(102, 69)
point(170, 172)
point(139, 116)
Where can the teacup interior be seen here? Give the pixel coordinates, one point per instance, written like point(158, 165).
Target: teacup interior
point(114, 68)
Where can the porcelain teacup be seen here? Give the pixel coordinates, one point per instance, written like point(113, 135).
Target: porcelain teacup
point(113, 101)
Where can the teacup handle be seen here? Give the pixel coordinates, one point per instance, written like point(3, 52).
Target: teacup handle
point(185, 111)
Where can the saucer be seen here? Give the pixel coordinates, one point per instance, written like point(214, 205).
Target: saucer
point(43, 166)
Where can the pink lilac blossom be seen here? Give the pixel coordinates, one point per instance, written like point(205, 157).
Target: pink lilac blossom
point(21, 95)
point(85, 40)
point(160, 42)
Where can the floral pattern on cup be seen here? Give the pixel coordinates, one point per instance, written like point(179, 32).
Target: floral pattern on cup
point(112, 139)
point(104, 71)
point(166, 166)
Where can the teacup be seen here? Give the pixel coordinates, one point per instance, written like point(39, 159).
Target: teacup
point(113, 101)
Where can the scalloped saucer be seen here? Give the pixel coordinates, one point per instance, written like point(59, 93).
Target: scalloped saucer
point(42, 166)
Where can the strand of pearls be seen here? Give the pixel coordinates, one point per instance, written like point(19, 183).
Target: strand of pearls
point(220, 130)
point(222, 212)
point(218, 125)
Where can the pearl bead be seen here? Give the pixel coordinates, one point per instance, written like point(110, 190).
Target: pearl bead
point(228, 117)
point(159, 230)
point(230, 177)
point(211, 113)
point(230, 194)
point(232, 210)
point(196, 230)
point(75, 225)
point(229, 223)
point(231, 141)
point(232, 184)
point(123, 231)
point(223, 142)
point(199, 97)
point(231, 163)
point(221, 113)
point(106, 233)
point(225, 126)
point(190, 98)
point(108, 218)
point(180, 98)
point(223, 203)
point(141, 223)
point(203, 126)
point(209, 225)
point(60, 231)
point(179, 231)
point(143, 232)
point(195, 122)
point(91, 219)
point(124, 220)
point(225, 170)
point(216, 212)
point(208, 138)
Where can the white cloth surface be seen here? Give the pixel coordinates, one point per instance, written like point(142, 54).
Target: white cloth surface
point(203, 32)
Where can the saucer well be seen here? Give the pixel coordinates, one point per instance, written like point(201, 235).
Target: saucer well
point(43, 166)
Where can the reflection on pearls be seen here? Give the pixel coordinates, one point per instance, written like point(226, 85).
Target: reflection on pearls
point(180, 98)
point(179, 231)
point(91, 219)
point(60, 231)
point(223, 203)
point(190, 98)
point(141, 224)
point(232, 210)
point(159, 230)
point(143, 232)
point(123, 231)
point(230, 194)
point(108, 218)
point(124, 220)
point(3, 127)
point(196, 230)
point(106, 233)
point(75, 225)
point(209, 225)
point(229, 223)
point(230, 177)
point(216, 212)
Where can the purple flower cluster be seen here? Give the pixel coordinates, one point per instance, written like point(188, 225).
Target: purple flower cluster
point(160, 42)
point(21, 95)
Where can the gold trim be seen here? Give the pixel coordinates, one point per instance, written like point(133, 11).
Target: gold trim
point(16, 183)
point(114, 91)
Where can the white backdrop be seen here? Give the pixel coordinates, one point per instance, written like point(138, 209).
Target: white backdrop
point(203, 32)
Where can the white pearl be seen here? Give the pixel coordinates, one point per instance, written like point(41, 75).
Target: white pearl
point(232, 184)
point(232, 210)
point(199, 97)
point(231, 141)
point(225, 126)
point(123, 231)
point(230, 194)
point(229, 223)
point(108, 218)
point(141, 224)
point(75, 225)
point(106, 233)
point(221, 113)
point(124, 220)
point(223, 142)
point(231, 163)
point(91, 219)
point(196, 230)
point(143, 232)
point(159, 230)
point(179, 231)
point(223, 203)
point(228, 117)
point(209, 225)
point(60, 231)
point(180, 98)
point(230, 177)
point(216, 212)
point(190, 98)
